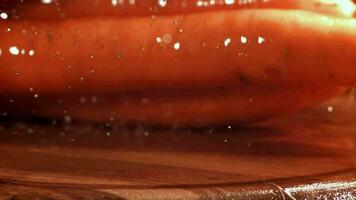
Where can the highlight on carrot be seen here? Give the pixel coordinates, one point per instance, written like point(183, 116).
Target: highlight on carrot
point(298, 48)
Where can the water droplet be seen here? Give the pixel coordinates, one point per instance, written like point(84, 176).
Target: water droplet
point(162, 3)
point(158, 39)
point(243, 39)
point(330, 109)
point(229, 2)
point(261, 40)
point(227, 42)
point(176, 46)
point(31, 52)
point(199, 3)
point(46, 1)
point(3, 15)
point(14, 50)
point(114, 2)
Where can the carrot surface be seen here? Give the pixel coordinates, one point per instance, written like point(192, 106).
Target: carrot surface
point(249, 47)
point(227, 56)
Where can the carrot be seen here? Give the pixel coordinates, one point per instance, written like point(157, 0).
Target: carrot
point(227, 57)
point(61, 9)
point(217, 49)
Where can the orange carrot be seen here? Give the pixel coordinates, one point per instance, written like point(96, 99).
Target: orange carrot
point(227, 57)
point(197, 50)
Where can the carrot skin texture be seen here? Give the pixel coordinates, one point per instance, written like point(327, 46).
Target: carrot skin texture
point(126, 56)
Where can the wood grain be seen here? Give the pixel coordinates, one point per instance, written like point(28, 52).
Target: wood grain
point(308, 155)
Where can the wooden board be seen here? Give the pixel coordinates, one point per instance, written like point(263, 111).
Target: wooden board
point(308, 155)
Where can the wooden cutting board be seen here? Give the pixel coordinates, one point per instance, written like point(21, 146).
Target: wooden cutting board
point(310, 155)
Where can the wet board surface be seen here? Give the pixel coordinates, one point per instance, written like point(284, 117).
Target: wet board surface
point(310, 155)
